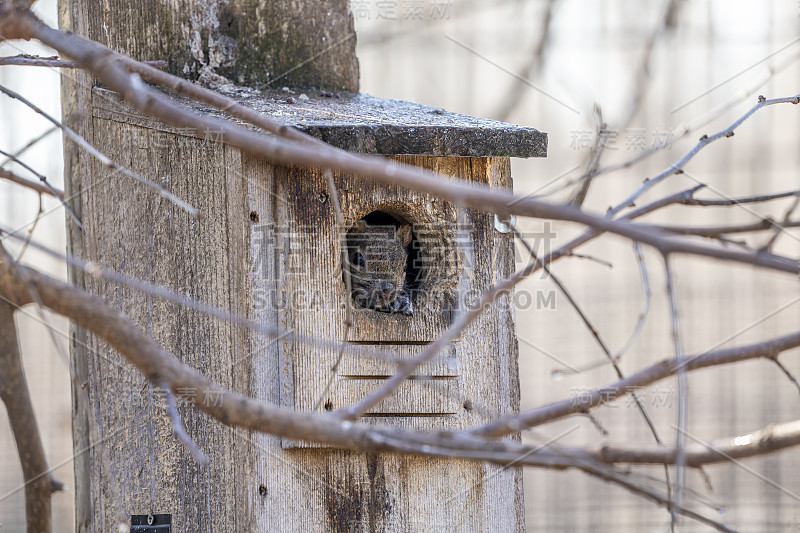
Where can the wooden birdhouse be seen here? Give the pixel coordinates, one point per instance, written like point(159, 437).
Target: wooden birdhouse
point(269, 248)
point(297, 227)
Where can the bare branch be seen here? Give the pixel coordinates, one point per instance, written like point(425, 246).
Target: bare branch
point(532, 67)
point(43, 180)
point(705, 140)
point(39, 481)
point(778, 227)
point(758, 198)
point(706, 119)
point(770, 439)
point(29, 144)
point(30, 184)
point(656, 372)
point(28, 60)
point(102, 64)
point(646, 492)
point(594, 159)
point(716, 231)
point(646, 296)
point(179, 430)
point(31, 229)
point(787, 373)
point(668, 22)
point(97, 154)
point(683, 394)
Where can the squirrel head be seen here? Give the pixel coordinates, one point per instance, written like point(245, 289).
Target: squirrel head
point(377, 256)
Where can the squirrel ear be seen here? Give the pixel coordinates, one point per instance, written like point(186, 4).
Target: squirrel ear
point(359, 227)
point(404, 234)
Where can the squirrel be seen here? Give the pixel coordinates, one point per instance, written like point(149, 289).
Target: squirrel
point(377, 258)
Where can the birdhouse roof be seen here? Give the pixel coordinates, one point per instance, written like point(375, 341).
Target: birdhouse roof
point(363, 123)
point(366, 124)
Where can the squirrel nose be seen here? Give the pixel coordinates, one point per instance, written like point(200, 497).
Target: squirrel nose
point(387, 288)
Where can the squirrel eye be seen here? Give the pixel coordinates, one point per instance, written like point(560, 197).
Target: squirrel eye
point(358, 259)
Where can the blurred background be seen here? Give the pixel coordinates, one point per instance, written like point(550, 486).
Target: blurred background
point(660, 74)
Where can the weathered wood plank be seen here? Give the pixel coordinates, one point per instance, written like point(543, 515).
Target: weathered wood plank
point(361, 364)
point(76, 108)
point(412, 398)
point(140, 467)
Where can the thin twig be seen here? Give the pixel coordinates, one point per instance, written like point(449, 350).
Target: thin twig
point(612, 475)
point(683, 393)
point(596, 423)
point(596, 154)
point(30, 184)
point(512, 423)
point(698, 123)
point(28, 60)
point(725, 202)
point(43, 180)
point(717, 231)
point(533, 66)
point(778, 228)
point(705, 140)
point(667, 23)
point(787, 373)
point(584, 463)
point(640, 320)
point(30, 144)
point(32, 228)
point(105, 160)
point(646, 296)
point(179, 430)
